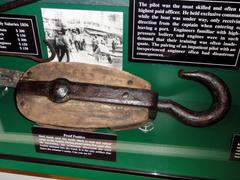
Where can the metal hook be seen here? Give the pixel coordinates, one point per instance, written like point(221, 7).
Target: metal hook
point(37, 59)
point(220, 106)
point(15, 4)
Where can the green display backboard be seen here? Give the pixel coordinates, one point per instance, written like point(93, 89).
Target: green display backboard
point(170, 150)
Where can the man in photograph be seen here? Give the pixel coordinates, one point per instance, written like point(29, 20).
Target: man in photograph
point(65, 47)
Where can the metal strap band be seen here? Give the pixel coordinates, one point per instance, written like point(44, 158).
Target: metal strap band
point(61, 90)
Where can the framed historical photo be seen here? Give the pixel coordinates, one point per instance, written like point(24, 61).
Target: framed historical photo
point(87, 36)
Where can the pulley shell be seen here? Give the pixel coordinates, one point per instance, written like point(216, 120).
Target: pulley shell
point(82, 114)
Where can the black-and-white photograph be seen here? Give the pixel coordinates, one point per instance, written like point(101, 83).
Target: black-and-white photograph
point(94, 37)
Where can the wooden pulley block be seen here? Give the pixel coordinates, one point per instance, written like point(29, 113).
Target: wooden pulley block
point(85, 96)
point(77, 112)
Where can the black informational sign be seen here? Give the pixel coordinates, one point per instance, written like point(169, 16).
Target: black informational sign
point(75, 143)
point(235, 148)
point(186, 32)
point(19, 34)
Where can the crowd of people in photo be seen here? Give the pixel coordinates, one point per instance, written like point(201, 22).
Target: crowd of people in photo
point(67, 41)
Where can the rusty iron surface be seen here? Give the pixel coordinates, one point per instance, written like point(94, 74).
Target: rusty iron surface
point(62, 90)
point(219, 108)
point(9, 78)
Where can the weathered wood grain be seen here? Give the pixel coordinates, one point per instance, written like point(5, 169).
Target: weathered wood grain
point(82, 114)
